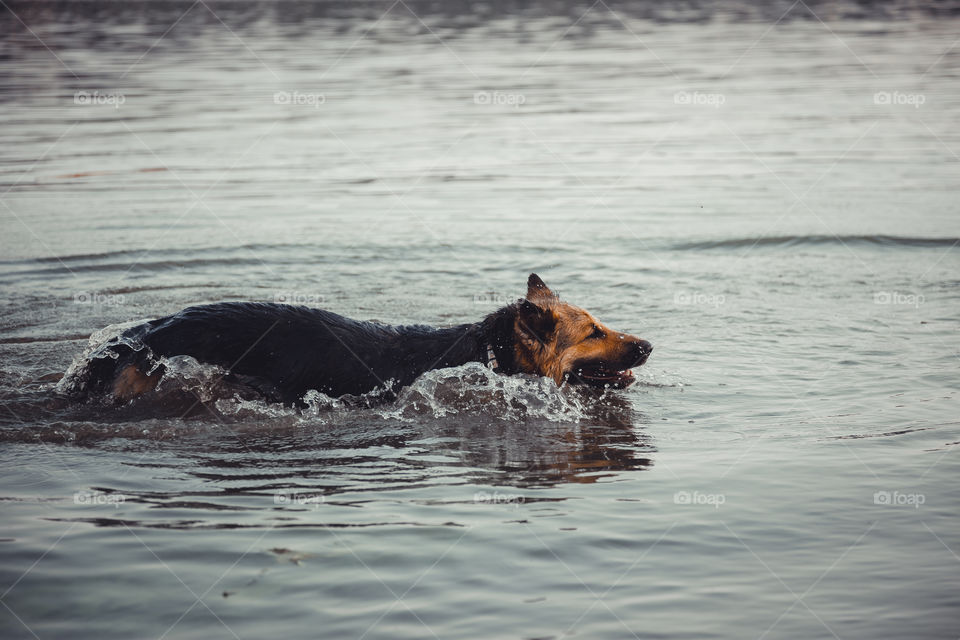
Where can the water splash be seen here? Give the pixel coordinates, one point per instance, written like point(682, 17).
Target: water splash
point(77, 375)
point(658, 378)
point(473, 389)
point(468, 390)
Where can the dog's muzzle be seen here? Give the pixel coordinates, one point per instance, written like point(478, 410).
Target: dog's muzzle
point(603, 375)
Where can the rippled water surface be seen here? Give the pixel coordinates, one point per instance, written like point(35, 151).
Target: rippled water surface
point(767, 194)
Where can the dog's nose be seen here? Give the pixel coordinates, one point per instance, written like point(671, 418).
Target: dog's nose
point(642, 350)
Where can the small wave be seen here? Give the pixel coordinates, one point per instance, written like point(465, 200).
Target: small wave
point(141, 266)
point(887, 434)
point(172, 253)
point(818, 240)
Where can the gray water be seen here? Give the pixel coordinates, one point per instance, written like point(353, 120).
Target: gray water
point(767, 194)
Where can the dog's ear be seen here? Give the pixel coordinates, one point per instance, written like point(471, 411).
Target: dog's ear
point(537, 290)
point(535, 324)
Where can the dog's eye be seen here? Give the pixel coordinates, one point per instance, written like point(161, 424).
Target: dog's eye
point(597, 334)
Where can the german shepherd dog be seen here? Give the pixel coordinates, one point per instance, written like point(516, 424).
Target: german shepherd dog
point(282, 351)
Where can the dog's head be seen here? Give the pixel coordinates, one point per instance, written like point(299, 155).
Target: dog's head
point(564, 342)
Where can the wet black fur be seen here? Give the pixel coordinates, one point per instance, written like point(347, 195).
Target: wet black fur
point(283, 351)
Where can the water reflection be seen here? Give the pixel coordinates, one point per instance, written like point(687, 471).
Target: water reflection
point(607, 441)
point(357, 451)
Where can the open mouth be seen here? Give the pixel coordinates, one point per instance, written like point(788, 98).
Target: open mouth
point(604, 378)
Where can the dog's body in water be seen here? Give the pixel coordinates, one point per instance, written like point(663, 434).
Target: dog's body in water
point(283, 351)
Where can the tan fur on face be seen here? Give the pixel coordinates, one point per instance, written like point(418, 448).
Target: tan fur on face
point(131, 382)
point(554, 354)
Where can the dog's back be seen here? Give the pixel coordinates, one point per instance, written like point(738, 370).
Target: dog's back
point(281, 351)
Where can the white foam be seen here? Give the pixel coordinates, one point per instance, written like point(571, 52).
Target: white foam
point(473, 389)
point(75, 378)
